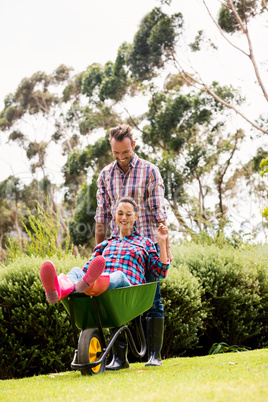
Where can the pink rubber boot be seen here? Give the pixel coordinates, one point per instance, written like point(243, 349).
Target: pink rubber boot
point(94, 270)
point(56, 287)
point(99, 286)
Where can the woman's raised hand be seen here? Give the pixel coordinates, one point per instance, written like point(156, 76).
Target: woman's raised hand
point(162, 233)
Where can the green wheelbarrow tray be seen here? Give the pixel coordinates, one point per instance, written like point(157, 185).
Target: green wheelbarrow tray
point(115, 307)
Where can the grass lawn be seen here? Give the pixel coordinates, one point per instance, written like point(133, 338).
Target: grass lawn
point(228, 377)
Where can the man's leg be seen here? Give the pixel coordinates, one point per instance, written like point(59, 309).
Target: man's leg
point(155, 325)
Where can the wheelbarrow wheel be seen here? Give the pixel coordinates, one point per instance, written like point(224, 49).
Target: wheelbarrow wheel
point(90, 349)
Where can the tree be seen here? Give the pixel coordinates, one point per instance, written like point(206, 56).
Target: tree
point(7, 218)
point(182, 125)
point(233, 20)
point(193, 146)
point(45, 106)
point(83, 224)
point(10, 199)
point(153, 44)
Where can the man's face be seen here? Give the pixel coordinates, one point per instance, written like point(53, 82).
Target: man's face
point(123, 152)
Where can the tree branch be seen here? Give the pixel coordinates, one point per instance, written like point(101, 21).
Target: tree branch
point(180, 219)
point(237, 16)
point(133, 122)
point(244, 29)
point(222, 33)
point(221, 176)
point(251, 53)
point(203, 87)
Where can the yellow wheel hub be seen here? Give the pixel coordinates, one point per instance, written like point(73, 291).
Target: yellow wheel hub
point(94, 352)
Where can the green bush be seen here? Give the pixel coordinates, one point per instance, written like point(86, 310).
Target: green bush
point(184, 314)
point(235, 297)
point(36, 338)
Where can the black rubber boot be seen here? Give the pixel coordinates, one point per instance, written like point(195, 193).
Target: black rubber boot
point(154, 335)
point(120, 349)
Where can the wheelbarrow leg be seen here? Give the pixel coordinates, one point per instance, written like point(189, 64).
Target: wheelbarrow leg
point(120, 350)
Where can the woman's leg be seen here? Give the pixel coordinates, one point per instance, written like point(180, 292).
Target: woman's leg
point(94, 271)
point(56, 287)
point(75, 274)
point(118, 280)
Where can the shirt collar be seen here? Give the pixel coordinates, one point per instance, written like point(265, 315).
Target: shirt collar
point(134, 160)
point(133, 234)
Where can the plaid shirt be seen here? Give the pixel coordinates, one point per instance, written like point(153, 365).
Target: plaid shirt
point(131, 255)
point(143, 183)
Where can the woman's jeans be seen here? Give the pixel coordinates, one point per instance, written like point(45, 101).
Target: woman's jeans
point(117, 279)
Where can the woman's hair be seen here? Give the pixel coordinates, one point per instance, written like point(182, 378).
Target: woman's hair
point(130, 201)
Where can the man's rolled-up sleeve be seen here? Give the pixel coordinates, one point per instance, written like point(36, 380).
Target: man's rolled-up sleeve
point(156, 196)
point(103, 211)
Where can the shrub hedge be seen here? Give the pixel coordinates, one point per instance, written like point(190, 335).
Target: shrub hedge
point(234, 293)
point(36, 338)
point(184, 313)
point(211, 295)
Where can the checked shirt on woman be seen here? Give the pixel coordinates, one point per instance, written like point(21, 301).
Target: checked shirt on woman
point(130, 255)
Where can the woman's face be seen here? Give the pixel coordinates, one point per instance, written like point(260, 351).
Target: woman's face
point(125, 217)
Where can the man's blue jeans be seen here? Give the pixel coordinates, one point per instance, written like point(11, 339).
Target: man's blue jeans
point(157, 309)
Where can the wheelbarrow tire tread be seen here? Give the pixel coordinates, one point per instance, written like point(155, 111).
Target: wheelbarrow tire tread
point(90, 349)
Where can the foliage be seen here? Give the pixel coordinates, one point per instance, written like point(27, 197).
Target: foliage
point(211, 296)
point(189, 127)
point(36, 337)
point(184, 314)
point(246, 9)
point(264, 166)
point(44, 232)
point(223, 347)
point(45, 235)
point(154, 43)
point(76, 170)
point(234, 292)
point(108, 82)
point(83, 224)
point(92, 118)
point(233, 20)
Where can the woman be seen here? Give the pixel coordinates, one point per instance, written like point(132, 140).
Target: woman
point(117, 262)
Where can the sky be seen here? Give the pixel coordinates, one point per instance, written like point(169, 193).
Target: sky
point(40, 36)
point(77, 33)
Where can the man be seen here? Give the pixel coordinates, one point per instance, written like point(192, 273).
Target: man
point(131, 176)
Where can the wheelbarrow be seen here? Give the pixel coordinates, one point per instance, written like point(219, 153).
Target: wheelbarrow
point(112, 309)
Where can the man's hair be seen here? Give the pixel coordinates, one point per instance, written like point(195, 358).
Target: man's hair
point(130, 201)
point(120, 132)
